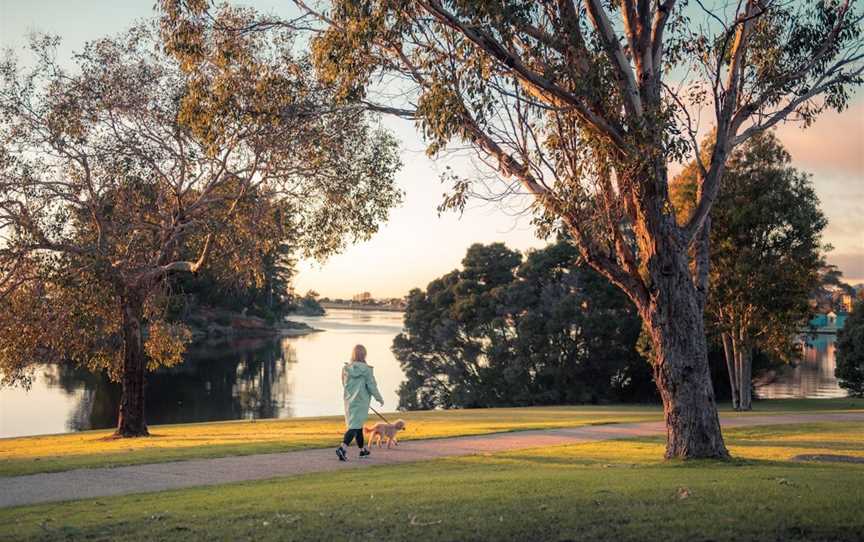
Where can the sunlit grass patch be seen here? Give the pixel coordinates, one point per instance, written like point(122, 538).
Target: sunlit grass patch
point(218, 439)
point(611, 490)
point(202, 440)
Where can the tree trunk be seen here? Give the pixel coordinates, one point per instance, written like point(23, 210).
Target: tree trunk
point(729, 356)
point(736, 364)
point(745, 376)
point(681, 367)
point(131, 419)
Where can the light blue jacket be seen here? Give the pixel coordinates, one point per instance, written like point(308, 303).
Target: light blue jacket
point(358, 381)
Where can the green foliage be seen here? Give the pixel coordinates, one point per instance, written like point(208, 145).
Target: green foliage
point(308, 305)
point(134, 167)
point(850, 352)
point(506, 332)
point(471, 69)
point(766, 242)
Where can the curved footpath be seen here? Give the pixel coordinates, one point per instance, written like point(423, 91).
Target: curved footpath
point(104, 482)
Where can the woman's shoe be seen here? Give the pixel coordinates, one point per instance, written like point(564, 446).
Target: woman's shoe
point(364, 454)
point(340, 453)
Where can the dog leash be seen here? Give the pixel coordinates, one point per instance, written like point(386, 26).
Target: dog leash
point(379, 414)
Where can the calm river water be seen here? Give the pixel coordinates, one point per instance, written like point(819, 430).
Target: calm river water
point(274, 378)
point(812, 376)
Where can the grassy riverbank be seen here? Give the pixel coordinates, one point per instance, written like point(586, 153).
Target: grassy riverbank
point(189, 441)
point(614, 490)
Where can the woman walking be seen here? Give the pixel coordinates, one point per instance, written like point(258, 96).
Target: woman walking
point(358, 382)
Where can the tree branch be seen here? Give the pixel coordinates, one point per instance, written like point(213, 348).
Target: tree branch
point(664, 11)
point(187, 266)
point(708, 185)
point(630, 282)
point(625, 76)
point(545, 87)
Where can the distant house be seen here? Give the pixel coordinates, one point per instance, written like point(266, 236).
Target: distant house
point(830, 322)
point(846, 301)
point(364, 298)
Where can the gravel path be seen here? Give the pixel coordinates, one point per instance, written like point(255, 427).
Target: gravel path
point(104, 482)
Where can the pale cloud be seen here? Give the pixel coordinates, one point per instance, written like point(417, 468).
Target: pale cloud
point(834, 144)
point(852, 265)
point(832, 151)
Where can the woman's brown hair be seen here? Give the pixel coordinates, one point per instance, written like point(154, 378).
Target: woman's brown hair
point(359, 353)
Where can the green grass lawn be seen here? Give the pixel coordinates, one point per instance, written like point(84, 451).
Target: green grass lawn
point(190, 441)
point(614, 490)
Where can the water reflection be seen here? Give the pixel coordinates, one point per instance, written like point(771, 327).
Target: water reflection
point(240, 380)
point(812, 377)
point(261, 378)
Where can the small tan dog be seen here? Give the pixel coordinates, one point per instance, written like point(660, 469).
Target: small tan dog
point(387, 431)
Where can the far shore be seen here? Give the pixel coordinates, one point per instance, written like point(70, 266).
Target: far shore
point(298, 332)
point(209, 324)
point(360, 307)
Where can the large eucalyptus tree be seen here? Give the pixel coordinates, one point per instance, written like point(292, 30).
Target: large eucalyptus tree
point(123, 169)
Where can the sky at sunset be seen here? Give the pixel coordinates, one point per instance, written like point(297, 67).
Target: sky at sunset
point(417, 244)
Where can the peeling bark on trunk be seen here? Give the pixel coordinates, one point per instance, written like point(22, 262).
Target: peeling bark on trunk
point(681, 370)
point(131, 421)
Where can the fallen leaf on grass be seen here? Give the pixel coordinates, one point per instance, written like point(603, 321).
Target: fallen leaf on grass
point(416, 523)
point(683, 493)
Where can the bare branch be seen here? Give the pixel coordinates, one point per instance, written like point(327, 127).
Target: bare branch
point(626, 78)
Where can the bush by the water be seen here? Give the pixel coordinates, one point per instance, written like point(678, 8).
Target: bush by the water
point(503, 331)
point(850, 352)
point(307, 305)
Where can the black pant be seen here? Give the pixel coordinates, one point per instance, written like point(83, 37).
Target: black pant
point(352, 434)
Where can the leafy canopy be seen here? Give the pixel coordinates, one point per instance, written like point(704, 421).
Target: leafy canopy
point(125, 170)
point(766, 243)
point(502, 331)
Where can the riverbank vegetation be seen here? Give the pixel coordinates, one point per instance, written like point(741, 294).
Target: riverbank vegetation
point(850, 352)
point(509, 329)
point(191, 441)
point(614, 490)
